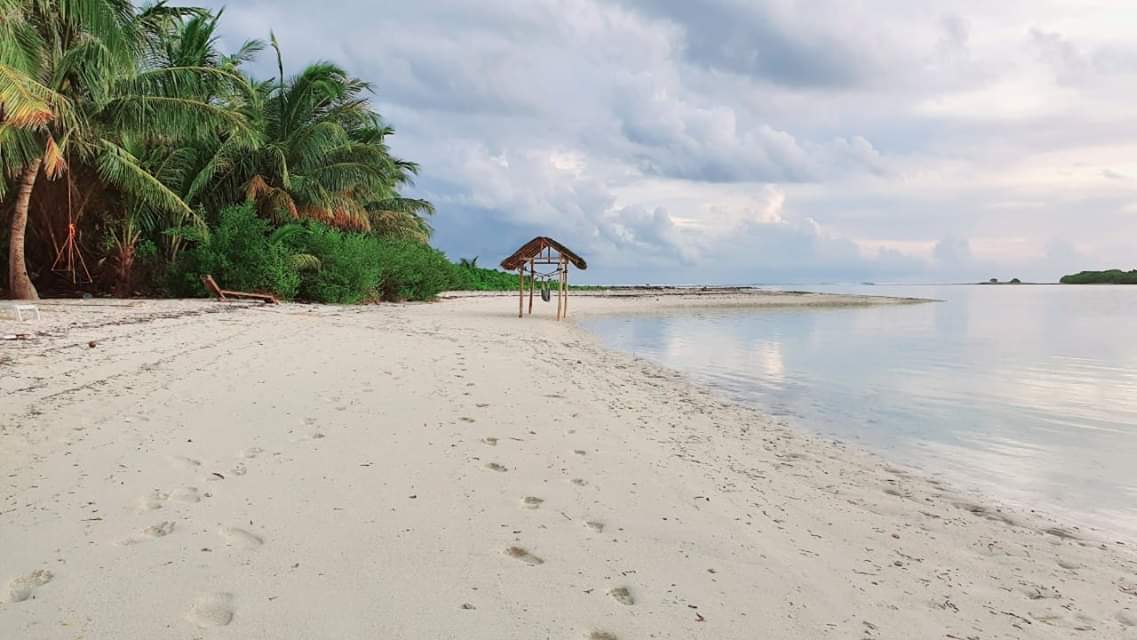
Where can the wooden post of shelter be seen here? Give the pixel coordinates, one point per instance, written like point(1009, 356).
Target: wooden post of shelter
point(564, 286)
point(532, 279)
point(539, 251)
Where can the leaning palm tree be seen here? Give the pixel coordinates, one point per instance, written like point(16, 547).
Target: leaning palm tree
point(81, 89)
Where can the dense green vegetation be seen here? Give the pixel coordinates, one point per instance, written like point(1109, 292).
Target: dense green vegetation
point(468, 276)
point(130, 144)
point(1111, 276)
point(312, 261)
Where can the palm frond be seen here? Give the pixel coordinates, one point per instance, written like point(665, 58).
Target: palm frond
point(26, 103)
point(304, 262)
point(118, 167)
point(54, 163)
point(171, 118)
point(245, 54)
point(396, 224)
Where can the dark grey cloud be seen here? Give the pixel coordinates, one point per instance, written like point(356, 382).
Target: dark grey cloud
point(758, 40)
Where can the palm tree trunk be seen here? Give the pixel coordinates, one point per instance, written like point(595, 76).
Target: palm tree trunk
point(18, 281)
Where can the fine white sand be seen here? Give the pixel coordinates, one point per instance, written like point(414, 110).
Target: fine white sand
point(447, 470)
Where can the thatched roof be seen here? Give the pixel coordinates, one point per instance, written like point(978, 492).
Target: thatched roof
point(536, 246)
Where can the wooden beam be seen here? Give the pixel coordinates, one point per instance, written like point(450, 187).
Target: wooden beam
point(532, 278)
point(521, 291)
point(560, 288)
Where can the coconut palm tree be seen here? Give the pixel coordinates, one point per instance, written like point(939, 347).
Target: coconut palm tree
point(319, 154)
point(82, 87)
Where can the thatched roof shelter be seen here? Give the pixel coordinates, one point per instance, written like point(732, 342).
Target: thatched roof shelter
point(537, 251)
point(534, 247)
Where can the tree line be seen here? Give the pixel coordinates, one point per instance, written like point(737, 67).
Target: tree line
point(129, 141)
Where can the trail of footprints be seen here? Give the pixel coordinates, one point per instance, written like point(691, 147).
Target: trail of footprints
point(218, 609)
point(620, 594)
point(207, 610)
point(211, 609)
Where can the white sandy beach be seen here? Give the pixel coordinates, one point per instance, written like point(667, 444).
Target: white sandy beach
point(447, 471)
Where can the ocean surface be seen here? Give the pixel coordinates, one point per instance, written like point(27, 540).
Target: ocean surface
point(1024, 393)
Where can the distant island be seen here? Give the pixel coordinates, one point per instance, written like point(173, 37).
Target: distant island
point(1110, 276)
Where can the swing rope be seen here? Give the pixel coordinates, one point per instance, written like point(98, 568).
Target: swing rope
point(70, 251)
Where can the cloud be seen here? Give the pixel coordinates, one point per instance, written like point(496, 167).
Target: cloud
point(750, 141)
point(952, 253)
point(1075, 65)
point(765, 41)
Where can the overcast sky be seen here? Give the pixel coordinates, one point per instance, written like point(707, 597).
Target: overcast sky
point(743, 141)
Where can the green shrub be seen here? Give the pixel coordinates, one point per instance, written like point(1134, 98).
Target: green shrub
point(347, 265)
point(467, 276)
point(355, 267)
point(316, 263)
point(240, 254)
point(409, 270)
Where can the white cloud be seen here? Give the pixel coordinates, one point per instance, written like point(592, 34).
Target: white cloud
point(749, 141)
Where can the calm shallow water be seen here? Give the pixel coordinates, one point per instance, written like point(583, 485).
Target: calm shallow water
point(1026, 393)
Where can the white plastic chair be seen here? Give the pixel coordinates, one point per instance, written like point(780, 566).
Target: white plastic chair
point(30, 309)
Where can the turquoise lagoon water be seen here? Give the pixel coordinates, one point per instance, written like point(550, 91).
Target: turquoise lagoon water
point(1024, 393)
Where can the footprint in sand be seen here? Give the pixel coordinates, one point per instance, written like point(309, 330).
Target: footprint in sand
point(25, 587)
point(188, 495)
point(598, 527)
point(159, 530)
point(601, 635)
point(212, 610)
point(308, 437)
point(493, 466)
point(251, 452)
point(239, 469)
point(622, 595)
point(153, 500)
point(1068, 565)
point(490, 441)
point(183, 462)
point(531, 502)
point(240, 538)
point(522, 554)
point(580, 452)
point(580, 482)
point(156, 499)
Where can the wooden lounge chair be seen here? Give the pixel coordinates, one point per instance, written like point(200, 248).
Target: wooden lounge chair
point(225, 294)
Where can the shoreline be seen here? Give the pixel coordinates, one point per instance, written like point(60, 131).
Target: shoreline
point(654, 299)
point(357, 444)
